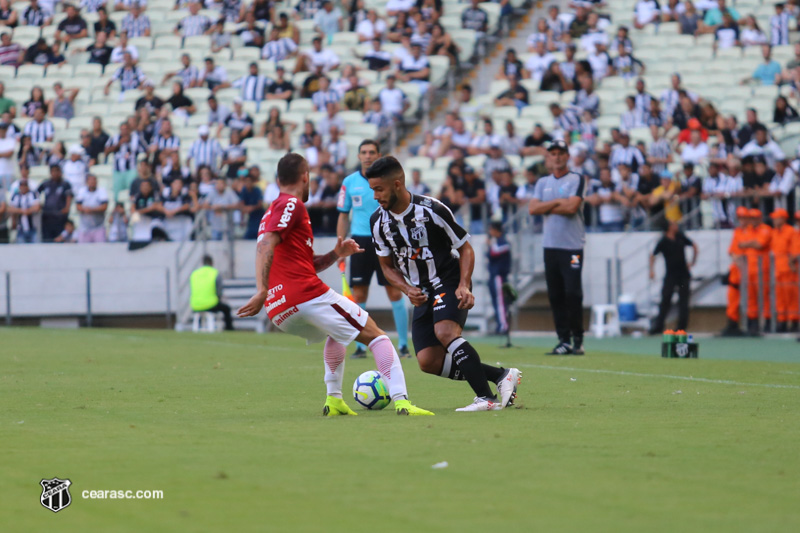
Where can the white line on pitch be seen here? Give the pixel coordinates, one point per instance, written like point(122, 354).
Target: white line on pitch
point(666, 376)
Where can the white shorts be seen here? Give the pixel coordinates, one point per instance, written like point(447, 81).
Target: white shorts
point(330, 315)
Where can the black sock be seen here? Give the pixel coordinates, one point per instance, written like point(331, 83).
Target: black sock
point(451, 371)
point(493, 373)
point(469, 362)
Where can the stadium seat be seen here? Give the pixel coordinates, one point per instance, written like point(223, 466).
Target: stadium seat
point(422, 163)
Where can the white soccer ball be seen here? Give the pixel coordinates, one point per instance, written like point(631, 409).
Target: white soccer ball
point(371, 391)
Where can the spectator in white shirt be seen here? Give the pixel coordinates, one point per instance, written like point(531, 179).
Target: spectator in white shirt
point(74, 168)
point(92, 203)
point(371, 27)
point(393, 100)
point(317, 59)
point(537, 64)
point(761, 144)
point(8, 147)
point(118, 53)
point(695, 151)
point(646, 12)
point(328, 20)
point(782, 185)
point(415, 69)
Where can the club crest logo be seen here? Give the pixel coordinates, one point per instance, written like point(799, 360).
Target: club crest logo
point(420, 234)
point(682, 349)
point(55, 494)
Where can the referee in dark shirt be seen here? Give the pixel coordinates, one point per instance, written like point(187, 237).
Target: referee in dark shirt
point(559, 198)
point(673, 247)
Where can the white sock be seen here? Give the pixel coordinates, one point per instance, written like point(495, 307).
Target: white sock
point(389, 366)
point(333, 354)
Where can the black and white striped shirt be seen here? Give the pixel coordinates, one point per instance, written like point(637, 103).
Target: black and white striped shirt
point(35, 17)
point(171, 143)
point(630, 156)
point(421, 241)
point(135, 26)
point(279, 49)
point(206, 152)
point(188, 75)
point(568, 120)
point(659, 149)
point(643, 103)
point(322, 98)
point(253, 87)
point(129, 78)
point(39, 132)
point(779, 29)
point(91, 6)
point(194, 25)
point(126, 154)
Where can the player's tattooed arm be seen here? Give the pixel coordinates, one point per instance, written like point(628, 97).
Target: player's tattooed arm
point(321, 262)
point(265, 252)
point(344, 248)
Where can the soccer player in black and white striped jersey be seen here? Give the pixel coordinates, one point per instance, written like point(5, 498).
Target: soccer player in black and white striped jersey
point(415, 238)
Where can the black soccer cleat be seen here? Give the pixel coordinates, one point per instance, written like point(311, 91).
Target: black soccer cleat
point(577, 347)
point(403, 352)
point(562, 348)
point(360, 353)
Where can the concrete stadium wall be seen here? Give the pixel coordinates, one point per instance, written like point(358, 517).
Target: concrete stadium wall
point(50, 279)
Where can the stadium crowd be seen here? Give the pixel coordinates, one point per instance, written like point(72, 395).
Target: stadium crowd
point(191, 106)
point(199, 101)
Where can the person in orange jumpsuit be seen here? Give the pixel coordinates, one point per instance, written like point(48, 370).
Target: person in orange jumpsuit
point(756, 246)
point(783, 236)
point(794, 304)
point(733, 311)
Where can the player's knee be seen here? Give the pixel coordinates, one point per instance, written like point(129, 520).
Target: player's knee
point(445, 335)
point(429, 365)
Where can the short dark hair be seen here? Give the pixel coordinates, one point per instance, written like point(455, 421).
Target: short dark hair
point(387, 167)
point(207, 261)
point(367, 142)
point(289, 168)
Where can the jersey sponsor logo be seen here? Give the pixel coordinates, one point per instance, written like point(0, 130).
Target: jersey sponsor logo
point(342, 195)
point(575, 262)
point(414, 253)
point(274, 290)
point(281, 318)
point(438, 302)
point(420, 234)
point(291, 204)
point(309, 243)
point(276, 303)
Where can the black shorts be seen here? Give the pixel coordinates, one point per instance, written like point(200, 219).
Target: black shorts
point(364, 264)
point(441, 305)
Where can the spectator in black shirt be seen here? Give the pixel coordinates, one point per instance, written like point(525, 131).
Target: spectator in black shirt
point(99, 51)
point(105, 24)
point(536, 143)
point(71, 28)
point(472, 190)
point(39, 53)
point(181, 104)
point(784, 112)
point(672, 246)
point(281, 88)
point(99, 139)
point(516, 95)
point(512, 66)
point(746, 132)
point(149, 101)
point(57, 202)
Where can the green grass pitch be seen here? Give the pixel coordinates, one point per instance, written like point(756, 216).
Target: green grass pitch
point(229, 427)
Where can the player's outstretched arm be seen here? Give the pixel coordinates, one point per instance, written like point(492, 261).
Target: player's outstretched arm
point(466, 260)
point(344, 248)
point(265, 251)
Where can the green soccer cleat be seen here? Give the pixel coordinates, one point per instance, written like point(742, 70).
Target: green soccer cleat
point(336, 407)
point(404, 407)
